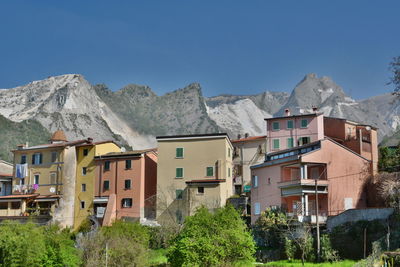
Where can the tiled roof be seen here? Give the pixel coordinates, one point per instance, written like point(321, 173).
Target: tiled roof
point(206, 181)
point(5, 175)
point(126, 153)
point(250, 138)
point(63, 144)
point(18, 196)
point(58, 136)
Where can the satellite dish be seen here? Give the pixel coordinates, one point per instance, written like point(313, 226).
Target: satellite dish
point(368, 128)
point(123, 149)
point(52, 190)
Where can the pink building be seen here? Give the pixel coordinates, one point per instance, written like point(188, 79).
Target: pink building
point(311, 151)
point(125, 186)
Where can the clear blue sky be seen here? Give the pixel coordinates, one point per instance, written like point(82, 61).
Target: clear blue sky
point(236, 47)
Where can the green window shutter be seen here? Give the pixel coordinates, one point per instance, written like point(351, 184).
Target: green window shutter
point(179, 152)
point(275, 126)
point(179, 172)
point(276, 143)
point(304, 123)
point(290, 124)
point(179, 194)
point(290, 142)
point(210, 171)
point(128, 164)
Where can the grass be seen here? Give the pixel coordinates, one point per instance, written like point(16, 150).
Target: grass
point(297, 263)
point(157, 257)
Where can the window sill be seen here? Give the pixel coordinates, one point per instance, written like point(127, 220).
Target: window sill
point(179, 157)
point(178, 177)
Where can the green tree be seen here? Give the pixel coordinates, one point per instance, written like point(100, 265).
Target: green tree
point(122, 244)
point(389, 159)
point(212, 239)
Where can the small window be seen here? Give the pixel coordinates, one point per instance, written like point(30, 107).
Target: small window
point(36, 179)
point(200, 190)
point(107, 165)
point(290, 143)
point(85, 152)
point(229, 172)
point(179, 152)
point(255, 181)
point(128, 184)
point(304, 123)
point(128, 164)
point(275, 126)
point(53, 178)
point(83, 187)
point(15, 205)
point(179, 194)
point(304, 141)
point(257, 208)
point(179, 216)
point(37, 159)
point(276, 144)
point(84, 170)
point(179, 173)
point(54, 156)
point(106, 185)
point(229, 152)
point(82, 205)
point(22, 181)
point(289, 124)
point(3, 205)
point(23, 159)
point(269, 181)
point(210, 171)
point(126, 203)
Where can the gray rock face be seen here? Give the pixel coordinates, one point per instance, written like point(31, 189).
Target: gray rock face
point(134, 115)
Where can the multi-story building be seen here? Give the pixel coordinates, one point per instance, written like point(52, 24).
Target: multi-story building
point(6, 170)
point(192, 170)
point(126, 186)
point(48, 181)
point(314, 159)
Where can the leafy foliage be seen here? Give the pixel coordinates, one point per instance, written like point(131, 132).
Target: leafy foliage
point(327, 252)
point(32, 245)
point(389, 159)
point(122, 244)
point(212, 239)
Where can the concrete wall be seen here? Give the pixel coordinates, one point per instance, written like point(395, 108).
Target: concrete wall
point(6, 168)
point(354, 215)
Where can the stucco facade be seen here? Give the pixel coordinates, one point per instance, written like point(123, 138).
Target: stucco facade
point(340, 162)
point(125, 185)
point(192, 171)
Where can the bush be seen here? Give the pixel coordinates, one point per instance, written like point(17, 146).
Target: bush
point(124, 243)
point(290, 249)
point(162, 236)
point(327, 252)
point(210, 239)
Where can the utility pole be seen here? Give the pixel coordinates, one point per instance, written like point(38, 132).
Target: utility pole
point(106, 254)
point(316, 219)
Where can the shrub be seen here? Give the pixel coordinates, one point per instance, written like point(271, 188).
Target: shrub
point(290, 249)
point(209, 239)
point(327, 252)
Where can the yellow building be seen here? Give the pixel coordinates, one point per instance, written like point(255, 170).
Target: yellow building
point(85, 176)
point(192, 170)
point(48, 181)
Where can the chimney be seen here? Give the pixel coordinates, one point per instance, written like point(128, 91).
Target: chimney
point(287, 112)
point(21, 146)
point(246, 135)
point(314, 109)
point(239, 136)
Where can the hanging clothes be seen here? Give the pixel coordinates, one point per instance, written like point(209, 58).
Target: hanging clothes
point(21, 170)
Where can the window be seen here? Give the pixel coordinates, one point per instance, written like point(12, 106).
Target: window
point(229, 172)
point(269, 181)
point(85, 152)
point(22, 181)
point(200, 190)
point(128, 184)
point(255, 181)
point(179, 217)
point(128, 164)
point(53, 178)
point(84, 170)
point(289, 125)
point(229, 152)
point(179, 173)
point(275, 126)
point(304, 141)
point(290, 143)
point(257, 209)
point(179, 152)
point(15, 205)
point(106, 185)
point(126, 203)
point(23, 159)
point(37, 159)
point(276, 144)
point(82, 205)
point(36, 179)
point(54, 156)
point(3, 205)
point(83, 187)
point(304, 123)
point(210, 171)
point(107, 165)
point(179, 194)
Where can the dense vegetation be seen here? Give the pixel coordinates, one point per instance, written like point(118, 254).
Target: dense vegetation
point(29, 130)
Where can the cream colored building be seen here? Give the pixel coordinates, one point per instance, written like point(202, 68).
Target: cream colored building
point(192, 170)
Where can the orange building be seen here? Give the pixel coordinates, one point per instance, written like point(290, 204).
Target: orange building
point(126, 186)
